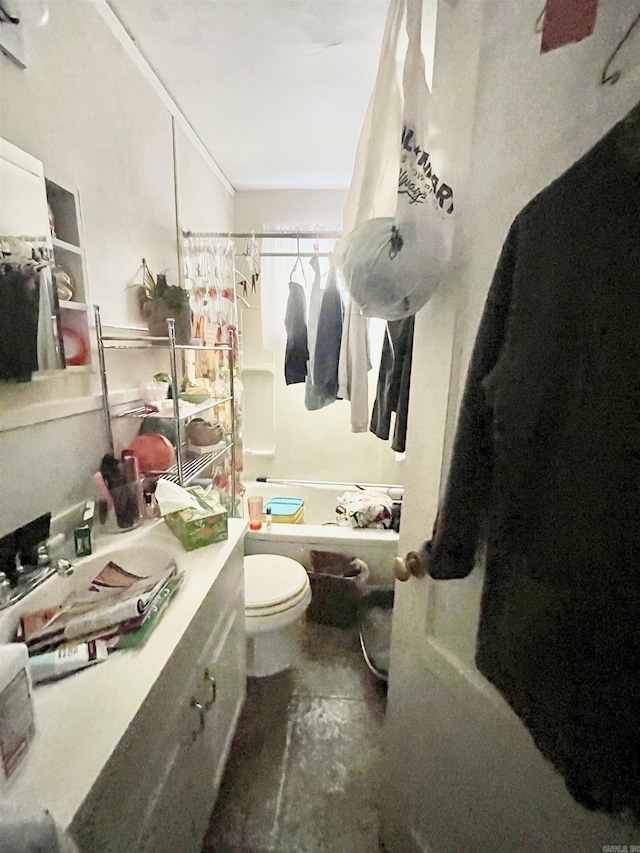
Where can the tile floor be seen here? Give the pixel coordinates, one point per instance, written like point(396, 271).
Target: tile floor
point(303, 774)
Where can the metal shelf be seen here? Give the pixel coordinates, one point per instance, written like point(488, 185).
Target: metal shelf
point(148, 341)
point(140, 412)
point(133, 337)
point(192, 467)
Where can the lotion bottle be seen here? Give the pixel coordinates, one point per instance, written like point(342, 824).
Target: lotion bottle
point(66, 659)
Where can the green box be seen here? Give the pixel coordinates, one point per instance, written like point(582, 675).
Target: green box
point(197, 527)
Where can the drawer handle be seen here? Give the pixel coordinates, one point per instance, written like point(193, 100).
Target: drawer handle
point(212, 684)
point(201, 710)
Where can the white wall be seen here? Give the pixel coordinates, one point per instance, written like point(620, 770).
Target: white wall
point(83, 107)
point(308, 445)
point(512, 120)
point(203, 203)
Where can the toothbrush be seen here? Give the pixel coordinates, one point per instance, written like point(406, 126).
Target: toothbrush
point(103, 491)
point(104, 500)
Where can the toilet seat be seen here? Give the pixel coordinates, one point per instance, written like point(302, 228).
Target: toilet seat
point(273, 584)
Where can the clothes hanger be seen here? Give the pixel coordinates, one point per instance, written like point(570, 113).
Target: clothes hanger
point(314, 261)
point(255, 261)
point(6, 17)
point(539, 20)
point(252, 260)
point(241, 281)
point(613, 78)
point(295, 266)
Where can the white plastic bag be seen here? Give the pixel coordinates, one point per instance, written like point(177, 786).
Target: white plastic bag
point(364, 508)
point(398, 211)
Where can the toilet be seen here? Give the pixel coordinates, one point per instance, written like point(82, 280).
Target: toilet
point(276, 595)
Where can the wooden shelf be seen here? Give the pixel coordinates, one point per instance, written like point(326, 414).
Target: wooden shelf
point(68, 256)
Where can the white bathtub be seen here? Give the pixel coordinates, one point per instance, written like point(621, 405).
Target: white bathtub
point(377, 548)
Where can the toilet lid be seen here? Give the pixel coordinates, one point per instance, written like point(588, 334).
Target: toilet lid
point(270, 579)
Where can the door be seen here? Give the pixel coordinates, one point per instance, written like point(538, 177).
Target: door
point(461, 771)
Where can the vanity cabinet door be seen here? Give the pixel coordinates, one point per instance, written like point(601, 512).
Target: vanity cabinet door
point(158, 787)
point(223, 681)
point(179, 810)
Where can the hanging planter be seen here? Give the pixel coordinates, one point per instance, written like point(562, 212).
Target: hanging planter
point(159, 301)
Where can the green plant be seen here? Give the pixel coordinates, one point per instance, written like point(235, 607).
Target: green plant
point(157, 288)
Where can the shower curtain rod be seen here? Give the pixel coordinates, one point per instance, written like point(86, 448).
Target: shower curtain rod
point(357, 485)
point(295, 254)
point(268, 235)
point(274, 235)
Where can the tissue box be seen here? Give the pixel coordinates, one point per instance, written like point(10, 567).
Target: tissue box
point(204, 525)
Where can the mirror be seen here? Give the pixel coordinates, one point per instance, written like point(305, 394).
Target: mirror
point(29, 312)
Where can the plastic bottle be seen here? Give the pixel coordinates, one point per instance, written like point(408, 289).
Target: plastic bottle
point(268, 519)
point(65, 660)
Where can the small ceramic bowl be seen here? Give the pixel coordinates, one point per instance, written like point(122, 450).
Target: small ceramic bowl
point(153, 451)
point(195, 397)
point(202, 433)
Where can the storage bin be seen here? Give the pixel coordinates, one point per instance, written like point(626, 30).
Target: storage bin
point(286, 510)
point(338, 582)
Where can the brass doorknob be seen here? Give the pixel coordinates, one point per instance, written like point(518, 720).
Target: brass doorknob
point(409, 566)
point(400, 569)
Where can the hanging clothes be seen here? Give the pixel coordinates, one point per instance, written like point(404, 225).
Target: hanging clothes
point(18, 324)
point(296, 353)
point(315, 303)
point(393, 383)
point(546, 473)
point(354, 365)
point(322, 383)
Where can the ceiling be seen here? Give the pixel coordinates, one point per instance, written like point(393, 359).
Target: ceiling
point(275, 89)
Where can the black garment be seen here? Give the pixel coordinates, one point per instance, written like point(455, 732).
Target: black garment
point(18, 325)
point(393, 382)
point(322, 388)
point(296, 353)
point(546, 471)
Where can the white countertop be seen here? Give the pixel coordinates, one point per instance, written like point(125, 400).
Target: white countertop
point(81, 719)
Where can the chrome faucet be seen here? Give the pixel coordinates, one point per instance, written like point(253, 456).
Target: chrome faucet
point(27, 578)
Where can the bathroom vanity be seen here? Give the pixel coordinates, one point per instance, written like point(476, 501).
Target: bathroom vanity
point(128, 754)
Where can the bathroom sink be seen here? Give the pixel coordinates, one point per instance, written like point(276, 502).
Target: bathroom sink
point(143, 552)
point(142, 559)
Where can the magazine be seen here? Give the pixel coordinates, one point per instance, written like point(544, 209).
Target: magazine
point(139, 636)
point(116, 599)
